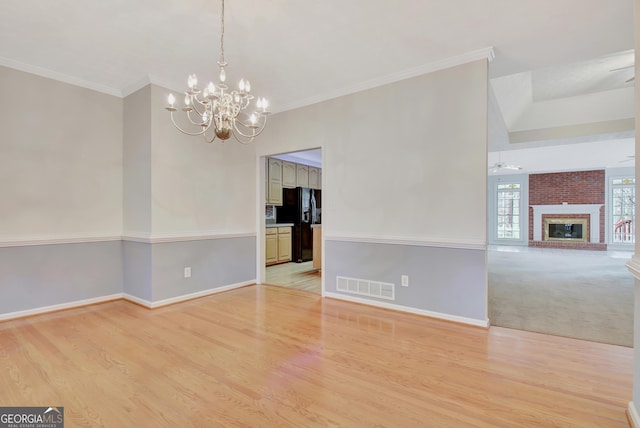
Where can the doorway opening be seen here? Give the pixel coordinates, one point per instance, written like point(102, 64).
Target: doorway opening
point(293, 220)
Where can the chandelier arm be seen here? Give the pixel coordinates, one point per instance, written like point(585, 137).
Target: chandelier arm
point(260, 122)
point(195, 107)
point(255, 130)
point(194, 122)
point(208, 139)
point(240, 139)
point(186, 132)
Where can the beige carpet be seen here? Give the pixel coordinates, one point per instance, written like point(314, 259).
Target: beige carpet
point(573, 293)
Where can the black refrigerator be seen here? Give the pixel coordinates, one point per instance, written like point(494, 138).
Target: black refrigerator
point(302, 207)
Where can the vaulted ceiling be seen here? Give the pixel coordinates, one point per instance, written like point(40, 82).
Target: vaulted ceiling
point(297, 52)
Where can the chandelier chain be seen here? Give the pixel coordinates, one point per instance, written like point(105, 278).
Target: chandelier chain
point(222, 34)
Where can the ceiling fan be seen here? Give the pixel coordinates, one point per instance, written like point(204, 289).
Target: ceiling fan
point(503, 165)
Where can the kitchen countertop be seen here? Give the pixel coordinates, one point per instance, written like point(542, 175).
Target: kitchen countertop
point(279, 225)
point(315, 225)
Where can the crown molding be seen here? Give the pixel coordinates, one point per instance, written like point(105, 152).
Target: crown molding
point(484, 53)
point(149, 80)
point(61, 77)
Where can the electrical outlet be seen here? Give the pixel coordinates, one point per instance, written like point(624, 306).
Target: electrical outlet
point(404, 280)
point(187, 272)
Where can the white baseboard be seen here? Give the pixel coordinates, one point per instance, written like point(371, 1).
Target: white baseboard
point(184, 297)
point(431, 314)
point(60, 307)
point(633, 415)
point(138, 300)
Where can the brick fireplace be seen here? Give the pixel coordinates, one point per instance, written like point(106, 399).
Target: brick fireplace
point(567, 210)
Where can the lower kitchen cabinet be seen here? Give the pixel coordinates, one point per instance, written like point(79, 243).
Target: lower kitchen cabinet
point(278, 245)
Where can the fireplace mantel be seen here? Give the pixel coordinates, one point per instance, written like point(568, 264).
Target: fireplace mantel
point(592, 209)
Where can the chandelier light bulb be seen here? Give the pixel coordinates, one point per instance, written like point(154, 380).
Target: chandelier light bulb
point(247, 86)
point(192, 81)
point(253, 119)
point(259, 103)
point(187, 100)
point(241, 85)
point(171, 99)
point(211, 88)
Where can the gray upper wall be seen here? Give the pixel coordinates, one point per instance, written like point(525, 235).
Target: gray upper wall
point(60, 159)
point(406, 160)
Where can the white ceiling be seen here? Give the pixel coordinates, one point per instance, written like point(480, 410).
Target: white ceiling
point(573, 157)
point(599, 74)
point(297, 52)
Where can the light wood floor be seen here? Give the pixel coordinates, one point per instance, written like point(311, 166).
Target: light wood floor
point(301, 276)
point(263, 356)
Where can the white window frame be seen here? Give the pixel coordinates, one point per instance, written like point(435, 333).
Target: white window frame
point(610, 175)
point(492, 206)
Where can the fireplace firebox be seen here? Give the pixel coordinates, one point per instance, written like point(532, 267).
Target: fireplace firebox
point(565, 229)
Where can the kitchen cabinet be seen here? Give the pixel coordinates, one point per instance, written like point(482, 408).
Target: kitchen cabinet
point(302, 175)
point(289, 178)
point(314, 177)
point(317, 246)
point(274, 196)
point(271, 246)
point(277, 245)
point(284, 244)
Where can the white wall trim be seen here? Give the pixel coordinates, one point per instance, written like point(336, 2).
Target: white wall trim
point(184, 297)
point(484, 53)
point(431, 314)
point(182, 236)
point(117, 296)
point(633, 415)
point(438, 243)
point(60, 307)
point(634, 267)
point(53, 240)
point(60, 77)
point(129, 236)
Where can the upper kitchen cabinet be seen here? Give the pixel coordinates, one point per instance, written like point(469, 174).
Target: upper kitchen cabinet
point(314, 177)
point(302, 175)
point(274, 196)
point(289, 178)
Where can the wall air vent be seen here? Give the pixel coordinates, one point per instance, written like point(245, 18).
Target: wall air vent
point(364, 287)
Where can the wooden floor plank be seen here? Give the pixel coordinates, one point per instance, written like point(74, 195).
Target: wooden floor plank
point(300, 276)
point(272, 356)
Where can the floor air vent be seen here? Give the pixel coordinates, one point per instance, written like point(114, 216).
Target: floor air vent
point(363, 287)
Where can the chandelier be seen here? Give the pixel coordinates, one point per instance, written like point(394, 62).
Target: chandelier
point(219, 112)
